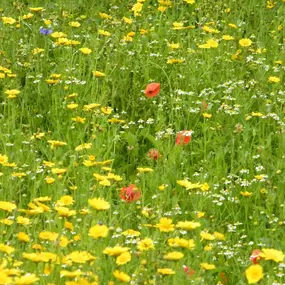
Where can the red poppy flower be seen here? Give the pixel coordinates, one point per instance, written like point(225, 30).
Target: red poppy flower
point(188, 270)
point(204, 105)
point(130, 193)
point(152, 90)
point(183, 137)
point(153, 153)
point(224, 279)
point(255, 256)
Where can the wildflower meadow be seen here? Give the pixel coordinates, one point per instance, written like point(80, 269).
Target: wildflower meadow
point(142, 142)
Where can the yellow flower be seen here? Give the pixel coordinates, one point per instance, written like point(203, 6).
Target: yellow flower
point(36, 9)
point(105, 16)
point(200, 214)
point(131, 233)
point(98, 74)
point(58, 35)
point(254, 273)
point(46, 235)
point(245, 193)
point(26, 279)
point(145, 244)
point(80, 256)
point(174, 255)
point(47, 22)
point(68, 225)
point(6, 248)
point(83, 146)
point(72, 106)
point(104, 33)
point(8, 20)
point(206, 236)
point(12, 93)
point(65, 212)
point(115, 120)
point(107, 110)
point(256, 114)
point(273, 79)
point(165, 225)
point(208, 247)
point(21, 236)
point(37, 51)
point(74, 24)
point(137, 8)
point(52, 81)
point(6, 222)
point(4, 278)
point(272, 254)
point(65, 200)
point(56, 143)
point(26, 17)
point(19, 174)
point(165, 271)
point(162, 187)
point(174, 45)
point(190, 1)
point(162, 8)
point(63, 242)
point(207, 116)
point(79, 120)
point(42, 256)
point(121, 276)
point(90, 106)
point(232, 25)
point(270, 4)
point(23, 221)
point(115, 251)
point(99, 204)
point(85, 50)
point(146, 169)
point(98, 231)
point(219, 236)
point(245, 42)
point(181, 242)
point(209, 44)
point(210, 30)
point(49, 180)
point(7, 206)
point(3, 159)
point(174, 60)
point(127, 20)
point(237, 55)
point(227, 38)
point(205, 187)
point(112, 176)
point(123, 258)
point(187, 225)
point(58, 171)
point(70, 273)
point(105, 182)
point(188, 185)
point(208, 266)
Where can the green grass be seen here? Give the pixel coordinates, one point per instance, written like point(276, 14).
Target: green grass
point(222, 93)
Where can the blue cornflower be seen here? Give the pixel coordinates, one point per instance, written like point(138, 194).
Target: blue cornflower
point(44, 31)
